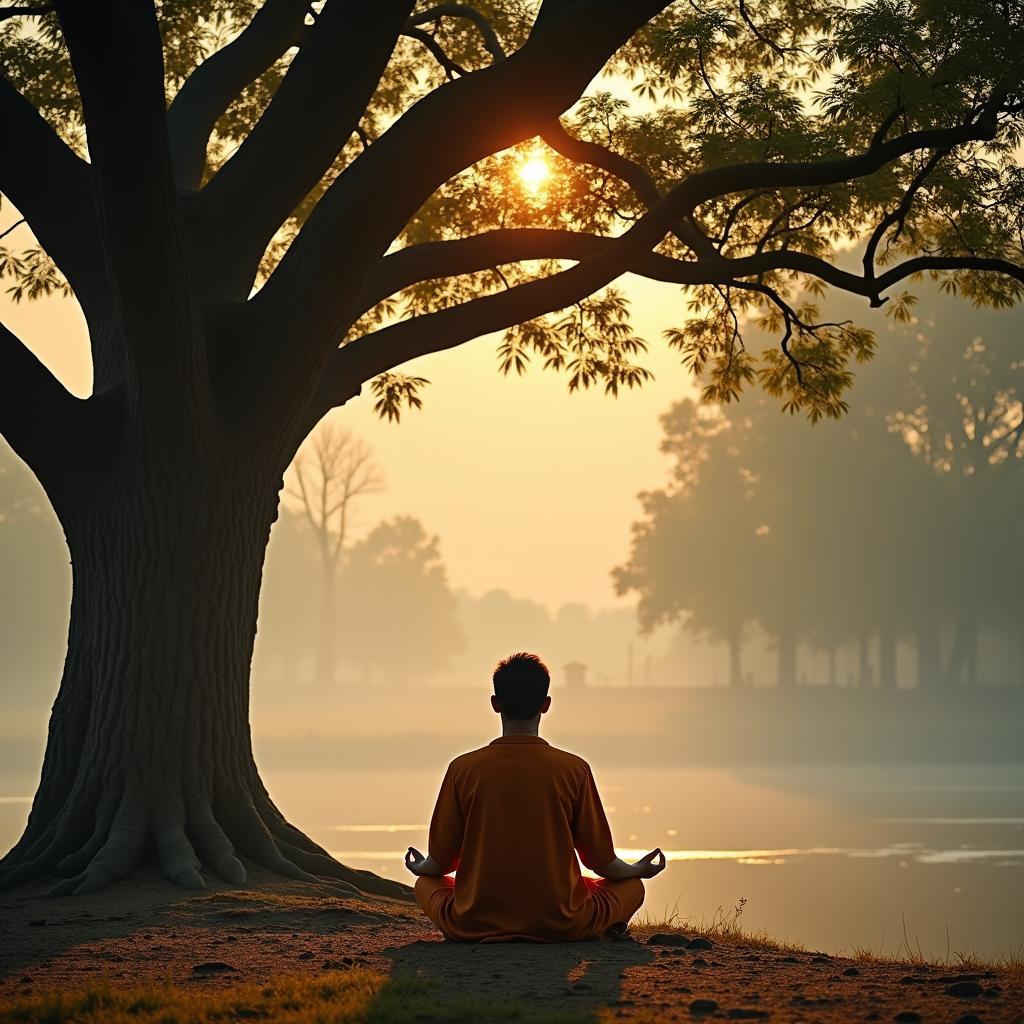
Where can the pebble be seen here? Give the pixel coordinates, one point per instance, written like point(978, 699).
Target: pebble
point(907, 1017)
point(306, 955)
point(703, 1006)
point(213, 967)
point(337, 965)
point(701, 943)
point(969, 1018)
point(964, 989)
point(668, 939)
point(700, 962)
point(851, 972)
point(742, 1013)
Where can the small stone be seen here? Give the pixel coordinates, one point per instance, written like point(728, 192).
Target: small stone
point(582, 986)
point(964, 989)
point(701, 943)
point(214, 967)
point(40, 923)
point(873, 1015)
point(743, 1013)
point(851, 972)
point(115, 917)
point(337, 965)
point(907, 1017)
point(788, 960)
point(24, 980)
point(907, 980)
point(668, 939)
point(700, 962)
point(306, 954)
point(703, 1006)
point(819, 959)
point(969, 1018)
point(993, 993)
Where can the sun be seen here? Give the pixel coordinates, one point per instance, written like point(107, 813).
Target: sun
point(534, 171)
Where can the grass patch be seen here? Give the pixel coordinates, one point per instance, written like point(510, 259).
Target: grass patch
point(350, 997)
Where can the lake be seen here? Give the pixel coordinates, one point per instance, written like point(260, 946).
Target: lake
point(834, 857)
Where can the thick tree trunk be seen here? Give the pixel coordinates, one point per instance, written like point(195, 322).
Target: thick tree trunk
point(886, 657)
point(735, 645)
point(786, 644)
point(149, 752)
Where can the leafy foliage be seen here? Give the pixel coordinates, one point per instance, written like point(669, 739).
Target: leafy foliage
point(707, 84)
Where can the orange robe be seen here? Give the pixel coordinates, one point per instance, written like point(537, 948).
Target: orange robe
point(508, 819)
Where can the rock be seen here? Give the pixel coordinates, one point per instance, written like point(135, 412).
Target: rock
point(337, 965)
point(743, 1013)
point(851, 972)
point(993, 993)
point(668, 939)
point(214, 967)
point(306, 954)
point(700, 962)
point(964, 989)
point(907, 1017)
point(41, 923)
point(582, 986)
point(820, 958)
point(701, 943)
point(969, 1018)
point(873, 1015)
point(24, 980)
point(788, 959)
point(699, 1006)
point(116, 917)
point(908, 980)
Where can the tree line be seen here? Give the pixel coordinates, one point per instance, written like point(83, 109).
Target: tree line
point(893, 534)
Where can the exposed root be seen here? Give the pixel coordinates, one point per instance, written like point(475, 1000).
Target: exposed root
point(94, 843)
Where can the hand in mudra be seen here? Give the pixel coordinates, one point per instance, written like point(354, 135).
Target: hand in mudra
point(650, 864)
point(415, 861)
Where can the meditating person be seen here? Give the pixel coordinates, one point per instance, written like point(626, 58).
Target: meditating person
point(509, 821)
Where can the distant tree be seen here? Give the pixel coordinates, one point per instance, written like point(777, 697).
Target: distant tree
point(241, 255)
point(898, 520)
point(332, 470)
point(396, 606)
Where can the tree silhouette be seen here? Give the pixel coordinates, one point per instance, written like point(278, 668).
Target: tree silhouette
point(894, 523)
point(331, 471)
point(240, 255)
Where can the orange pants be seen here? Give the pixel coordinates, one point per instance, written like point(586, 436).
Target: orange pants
point(612, 902)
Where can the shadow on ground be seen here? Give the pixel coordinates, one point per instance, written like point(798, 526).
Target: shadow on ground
point(557, 976)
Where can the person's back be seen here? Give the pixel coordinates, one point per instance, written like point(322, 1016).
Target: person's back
point(510, 818)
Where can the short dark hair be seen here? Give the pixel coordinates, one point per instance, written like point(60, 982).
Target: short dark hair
point(521, 683)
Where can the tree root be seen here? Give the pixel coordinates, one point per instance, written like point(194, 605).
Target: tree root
point(99, 838)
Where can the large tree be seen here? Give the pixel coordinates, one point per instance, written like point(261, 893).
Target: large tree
point(239, 255)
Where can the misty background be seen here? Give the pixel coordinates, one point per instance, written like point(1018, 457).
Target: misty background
point(800, 670)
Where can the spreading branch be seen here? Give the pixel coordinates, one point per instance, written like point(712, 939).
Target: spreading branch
point(52, 189)
point(217, 82)
point(449, 130)
point(40, 419)
point(312, 115)
point(117, 57)
point(398, 343)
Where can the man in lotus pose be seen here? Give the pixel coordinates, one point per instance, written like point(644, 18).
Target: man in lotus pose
point(510, 818)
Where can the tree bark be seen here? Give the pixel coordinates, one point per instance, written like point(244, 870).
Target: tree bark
point(149, 752)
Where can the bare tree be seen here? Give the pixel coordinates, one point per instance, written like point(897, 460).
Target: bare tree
point(333, 469)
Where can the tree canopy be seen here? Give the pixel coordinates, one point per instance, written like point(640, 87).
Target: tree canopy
point(730, 148)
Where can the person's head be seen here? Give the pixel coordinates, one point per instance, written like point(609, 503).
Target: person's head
point(521, 688)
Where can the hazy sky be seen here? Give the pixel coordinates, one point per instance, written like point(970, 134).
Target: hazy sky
point(531, 489)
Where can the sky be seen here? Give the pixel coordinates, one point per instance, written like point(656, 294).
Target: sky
point(530, 489)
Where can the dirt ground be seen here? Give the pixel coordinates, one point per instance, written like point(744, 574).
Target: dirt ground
point(149, 931)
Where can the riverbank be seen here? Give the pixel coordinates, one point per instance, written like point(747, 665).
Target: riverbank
point(146, 951)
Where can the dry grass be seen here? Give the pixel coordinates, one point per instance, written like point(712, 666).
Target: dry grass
point(351, 997)
point(727, 927)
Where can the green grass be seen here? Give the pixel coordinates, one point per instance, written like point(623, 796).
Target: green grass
point(350, 997)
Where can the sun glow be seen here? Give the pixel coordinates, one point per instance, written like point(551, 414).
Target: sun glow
point(533, 172)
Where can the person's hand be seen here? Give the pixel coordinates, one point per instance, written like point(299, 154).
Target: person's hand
point(650, 864)
point(415, 861)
